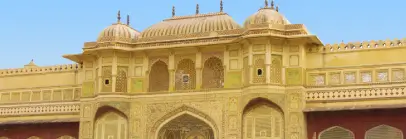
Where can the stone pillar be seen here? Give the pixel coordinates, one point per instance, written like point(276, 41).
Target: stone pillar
point(114, 73)
point(295, 125)
point(251, 68)
point(87, 111)
point(268, 60)
point(99, 75)
point(233, 127)
point(198, 66)
point(171, 69)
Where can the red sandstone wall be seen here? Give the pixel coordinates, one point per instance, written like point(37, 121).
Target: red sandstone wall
point(357, 121)
point(44, 131)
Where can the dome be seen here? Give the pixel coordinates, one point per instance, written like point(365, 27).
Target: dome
point(118, 32)
point(195, 25)
point(267, 15)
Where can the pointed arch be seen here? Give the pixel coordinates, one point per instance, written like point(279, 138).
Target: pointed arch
point(213, 73)
point(183, 110)
point(336, 132)
point(110, 122)
point(262, 118)
point(185, 77)
point(159, 77)
point(384, 131)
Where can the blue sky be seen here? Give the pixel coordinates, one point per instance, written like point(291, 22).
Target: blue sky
point(44, 30)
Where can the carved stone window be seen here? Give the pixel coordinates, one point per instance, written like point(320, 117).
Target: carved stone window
point(366, 77)
point(335, 78)
point(185, 67)
point(398, 75)
point(384, 132)
point(317, 79)
point(336, 133)
point(159, 77)
point(121, 80)
point(382, 76)
point(276, 69)
point(213, 73)
point(350, 77)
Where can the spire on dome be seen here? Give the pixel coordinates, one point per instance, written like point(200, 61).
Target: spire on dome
point(118, 16)
point(31, 64)
point(128, 19)
point(221, 5)
point(266, 3)
point(272, 4)
point(173, 11)
point(277, 8)
point(197, 8)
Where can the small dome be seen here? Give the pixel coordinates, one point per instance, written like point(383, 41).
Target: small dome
point(266, 16)
point(118, 32)
point(195, 24)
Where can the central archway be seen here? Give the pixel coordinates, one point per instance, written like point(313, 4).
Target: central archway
point(185, 122)
point(186, 127)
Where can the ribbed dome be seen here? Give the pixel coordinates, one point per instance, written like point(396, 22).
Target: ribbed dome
point(200, 23)
point(266, 16)
point(118, 32)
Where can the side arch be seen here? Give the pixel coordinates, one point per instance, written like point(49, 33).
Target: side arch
point(336, 132)
point(261, 118)
point(158, 77)
point(34, 137)
point(154, 131)
point(114, 119)
point(250, 102)
point(384, 131)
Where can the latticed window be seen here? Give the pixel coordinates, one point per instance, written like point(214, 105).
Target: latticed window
point(336, 133)
point(185, 77)
point(121, 80)
point(384, 132)
point(276, 69)
point(213, 73)
point(259, 73)
point(263, 122)
point(159, 77)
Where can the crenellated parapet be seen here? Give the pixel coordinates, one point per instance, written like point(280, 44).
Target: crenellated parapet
point(357, 46)
point(36, 69)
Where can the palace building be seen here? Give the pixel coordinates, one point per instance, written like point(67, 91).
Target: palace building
point(204, 76)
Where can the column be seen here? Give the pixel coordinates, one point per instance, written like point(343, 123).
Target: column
point(198, 67)
point(171, 70)
point(268, 60)
point(114, 73)
point(250, 64)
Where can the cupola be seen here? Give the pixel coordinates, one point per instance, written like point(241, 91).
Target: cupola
point(118, 32)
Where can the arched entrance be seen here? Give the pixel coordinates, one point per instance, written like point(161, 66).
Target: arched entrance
point(186, 126)
point(110, 124)
point(262, 119)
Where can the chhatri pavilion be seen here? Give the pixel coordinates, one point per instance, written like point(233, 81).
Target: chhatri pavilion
point(205, 76)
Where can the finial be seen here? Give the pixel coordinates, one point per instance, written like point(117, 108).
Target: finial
point(128, 19)
point(173, 11)
point(221, 5)
point(197, 8)
point(272, 4)
point(277, 8)
point(266, 3)
point(118, 16)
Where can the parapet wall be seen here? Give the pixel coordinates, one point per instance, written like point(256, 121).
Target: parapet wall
point(357, 54)
point(34, 77)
